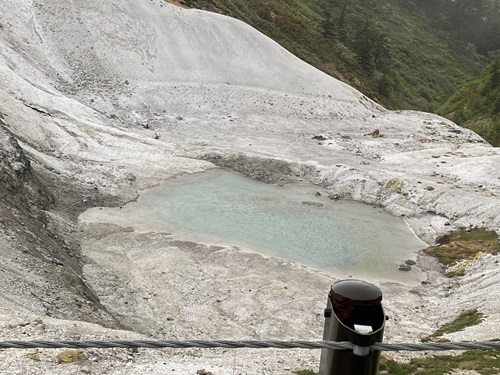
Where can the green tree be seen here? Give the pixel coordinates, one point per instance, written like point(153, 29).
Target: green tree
point(328, 25)
point(494, 134)
point(364, 48)
point(371, 49)
point(334, 27)
point(386, 86)
point(494, 82)
point(341, 23)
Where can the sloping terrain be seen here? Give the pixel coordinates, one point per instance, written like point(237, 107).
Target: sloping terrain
point(99, 100)
point(477, 104)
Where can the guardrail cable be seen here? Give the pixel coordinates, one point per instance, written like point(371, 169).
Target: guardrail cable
point(229, 344)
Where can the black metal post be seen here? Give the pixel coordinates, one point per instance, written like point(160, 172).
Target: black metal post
point(353, 313)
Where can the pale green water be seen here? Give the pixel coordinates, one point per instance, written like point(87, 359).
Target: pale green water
point(349, 237)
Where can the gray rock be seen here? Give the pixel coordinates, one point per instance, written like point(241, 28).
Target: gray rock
point(309, 203)
point(404, 267)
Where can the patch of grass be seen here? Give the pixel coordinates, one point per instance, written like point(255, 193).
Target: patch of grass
point(466, 319)
point(464, 246)
point(305, 372)
point(485, 362)
point(477, 105)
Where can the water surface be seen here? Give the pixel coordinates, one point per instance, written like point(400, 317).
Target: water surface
point(347, 237)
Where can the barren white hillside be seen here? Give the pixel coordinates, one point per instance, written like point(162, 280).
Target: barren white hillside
point(107, 98)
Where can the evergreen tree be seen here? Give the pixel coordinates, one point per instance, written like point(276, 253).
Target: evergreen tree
point(328, 25)
point(364, 47)
point(495, 75)
point(341, 23)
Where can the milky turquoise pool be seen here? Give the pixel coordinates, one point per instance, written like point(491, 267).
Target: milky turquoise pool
point(227, 208)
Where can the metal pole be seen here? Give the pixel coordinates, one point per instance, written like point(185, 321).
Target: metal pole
point(353, 313)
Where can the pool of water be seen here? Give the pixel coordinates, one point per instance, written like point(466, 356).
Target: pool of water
point(291, 222)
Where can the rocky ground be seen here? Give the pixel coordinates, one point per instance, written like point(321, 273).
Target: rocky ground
point(99, 101)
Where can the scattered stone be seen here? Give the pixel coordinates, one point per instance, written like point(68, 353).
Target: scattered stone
point(309, 203)
point(34, 355)
point(429, 188)
point(404, 267)
point(318, 194)
point(441, 339)
point(320, 137)
point(410, 262)
point(72, 356)
point(395, 185)
point(376, 133)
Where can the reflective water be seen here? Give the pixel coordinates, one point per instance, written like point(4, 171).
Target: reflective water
point(291, 222)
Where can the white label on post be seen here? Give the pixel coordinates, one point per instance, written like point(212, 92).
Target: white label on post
point(364, 330)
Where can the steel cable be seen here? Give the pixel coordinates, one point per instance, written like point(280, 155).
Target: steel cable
point(229, 344)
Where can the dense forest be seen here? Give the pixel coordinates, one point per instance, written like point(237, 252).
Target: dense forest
point(405, 54)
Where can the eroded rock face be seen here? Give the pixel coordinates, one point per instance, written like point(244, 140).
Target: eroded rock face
point(19, 185)
point(263, 169)
point(41, 266)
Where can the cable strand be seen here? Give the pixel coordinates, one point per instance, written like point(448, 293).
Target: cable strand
point(253, 344)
